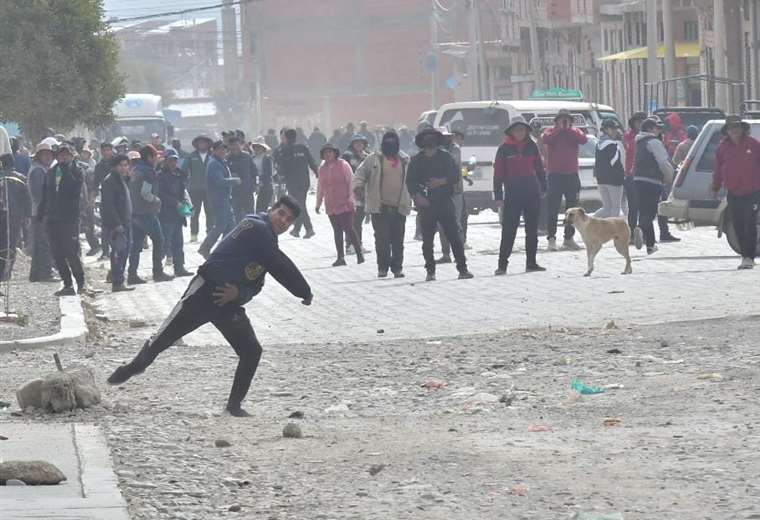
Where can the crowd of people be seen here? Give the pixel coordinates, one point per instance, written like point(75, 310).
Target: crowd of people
point(145, 194)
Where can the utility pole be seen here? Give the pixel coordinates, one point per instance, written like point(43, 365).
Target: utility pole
point(535, 57)
point(670, 52)
point(472, 61)
point(229, 45)
point(719, 53)
point(651, 50)
point(434, 49)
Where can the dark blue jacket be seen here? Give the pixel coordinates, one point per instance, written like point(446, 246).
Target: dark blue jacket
point(247, 254)
point(218, 185)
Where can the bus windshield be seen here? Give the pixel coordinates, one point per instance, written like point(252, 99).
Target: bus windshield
point(138, 129)
point(480, 126)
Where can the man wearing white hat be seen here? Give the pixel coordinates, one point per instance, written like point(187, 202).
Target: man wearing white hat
point(42, 260)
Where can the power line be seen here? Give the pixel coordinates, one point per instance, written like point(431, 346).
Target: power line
point(177, 13)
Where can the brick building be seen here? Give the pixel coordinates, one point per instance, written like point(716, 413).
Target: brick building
point(330, 62)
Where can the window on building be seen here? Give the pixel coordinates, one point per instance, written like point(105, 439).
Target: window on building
point(691, 30)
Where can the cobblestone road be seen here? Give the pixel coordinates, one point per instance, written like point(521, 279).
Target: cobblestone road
point(694, 279)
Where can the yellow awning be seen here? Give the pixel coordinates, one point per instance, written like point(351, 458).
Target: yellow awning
point(683, 50)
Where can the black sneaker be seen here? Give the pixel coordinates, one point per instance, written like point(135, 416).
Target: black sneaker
point(310, 233)
point(135, 280)
point(668, 238)
point(121, 288)
point(162, 277)
point(179, 273)
point(295, 233)
point(339, 262)
point(382, 274)
point(399, 275)
point(237, 411)
point(445, 259)
point(123, 373)
point(466, 275)
point(430, 276)
point(66, 291)
point(359, 258)
point(534, 268)
point(500, 271)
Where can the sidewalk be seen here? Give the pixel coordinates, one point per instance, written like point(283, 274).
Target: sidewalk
point(80, 452)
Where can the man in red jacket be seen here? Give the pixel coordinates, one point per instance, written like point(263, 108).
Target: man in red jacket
point(562, 144)
point(737, 167)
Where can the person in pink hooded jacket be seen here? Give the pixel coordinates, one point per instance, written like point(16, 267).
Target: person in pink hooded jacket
point(334, 189)
point(676, 133)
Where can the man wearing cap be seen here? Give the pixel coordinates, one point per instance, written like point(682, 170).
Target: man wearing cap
point(42, 261)
point(241, 166)
point(518, 166)
point(293, 162)
point(737, 168)
point(265, 171)
point(355, 155)
point(59, 209)
point(15, 211)
point(196, 165)
point(651, 170)
point(146, 206)
point(629, 143)
point(431, 179)
point(219, 184)
point(116, 213)
point(456, 152)
point(172, 190)
point(562, 147)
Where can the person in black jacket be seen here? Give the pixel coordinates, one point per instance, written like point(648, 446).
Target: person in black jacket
point(241, 166)
point(233, 274)
point(116, 214)
point(59, 209)
point(293, 162)
point(431, 178)
point(609, 170)
point(172, 190)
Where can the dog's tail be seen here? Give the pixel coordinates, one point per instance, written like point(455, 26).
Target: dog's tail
point(638, 238)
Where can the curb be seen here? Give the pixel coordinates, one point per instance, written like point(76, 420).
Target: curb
point(73, 329)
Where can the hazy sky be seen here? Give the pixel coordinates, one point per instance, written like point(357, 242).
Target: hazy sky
point(129, 8)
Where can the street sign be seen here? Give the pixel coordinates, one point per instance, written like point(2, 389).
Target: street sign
point(567, 94)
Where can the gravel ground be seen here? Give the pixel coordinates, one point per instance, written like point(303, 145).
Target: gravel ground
point(674, 435)
point(33, 302)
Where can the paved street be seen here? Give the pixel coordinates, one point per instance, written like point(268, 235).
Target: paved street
point(694, 279)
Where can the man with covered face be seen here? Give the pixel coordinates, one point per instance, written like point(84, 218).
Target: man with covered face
point(431, 180)
point(380, 183)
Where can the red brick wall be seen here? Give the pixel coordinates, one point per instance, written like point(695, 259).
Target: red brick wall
point(346, 60)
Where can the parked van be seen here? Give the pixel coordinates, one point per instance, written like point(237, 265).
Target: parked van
point(483, 124)
point(691, 197)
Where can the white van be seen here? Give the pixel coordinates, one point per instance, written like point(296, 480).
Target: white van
point(483, 124)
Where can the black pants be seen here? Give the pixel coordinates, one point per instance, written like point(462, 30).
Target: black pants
point(242, 206)
point(64, 244)
point(389, 226)
point(647, 198)
point(633, 207)
point(743, 210)
point(359, 215)
point(299, 193)
point(88, 225)
point(522, 200)
point(264, 197)
point(662, 221)
point(42, 259)
point(567, 185)
point(441, 211)
point(196, 308)
point(198, 200)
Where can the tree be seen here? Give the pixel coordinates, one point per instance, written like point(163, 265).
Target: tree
point(59, 65)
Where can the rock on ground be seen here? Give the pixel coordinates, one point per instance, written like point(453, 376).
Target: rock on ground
point(33, 472)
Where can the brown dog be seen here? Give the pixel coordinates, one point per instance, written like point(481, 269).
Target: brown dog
point(597, 231)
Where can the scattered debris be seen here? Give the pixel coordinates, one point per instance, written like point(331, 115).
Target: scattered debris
point(536, 428)
point(710, 377)
point(612, 421)
point(137, 324)
point(381, 331)
point(221, 443)
point(296, 415)
point(611, 325)
point(579, 387)
point(337, 408)
point(374, 469)
point(614, 351)
point(433, 384)
point(520, 490)
point(234, 508)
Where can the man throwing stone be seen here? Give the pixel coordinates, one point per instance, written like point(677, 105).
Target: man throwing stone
point(233, 274)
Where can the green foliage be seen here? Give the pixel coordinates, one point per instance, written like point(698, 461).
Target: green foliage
point(59, 65)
